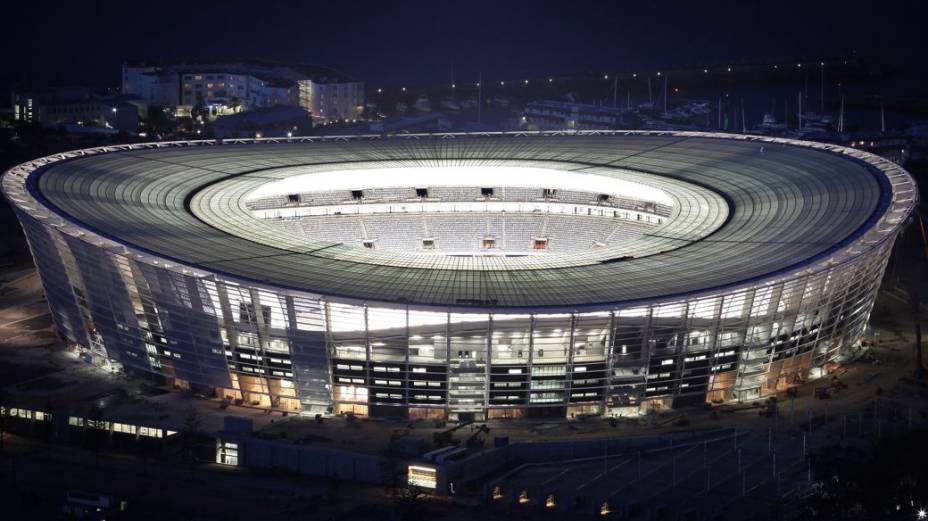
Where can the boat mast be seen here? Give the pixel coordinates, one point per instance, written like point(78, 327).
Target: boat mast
point(650, 99)
point(823, 89)
point(479, 95)
point(806, 81)
point(786, 112)
point(800, 110)
point(744, 127)
point(615, 90)
point(882, 118)
point(720, 112)
point(665, 93)
point(841, 116)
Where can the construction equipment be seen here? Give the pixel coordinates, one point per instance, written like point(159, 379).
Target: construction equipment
point(475, 440)
point(771, 408)
point(446, 436)
point(837, 384)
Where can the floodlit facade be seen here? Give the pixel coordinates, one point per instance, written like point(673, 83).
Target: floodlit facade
point(466, 276)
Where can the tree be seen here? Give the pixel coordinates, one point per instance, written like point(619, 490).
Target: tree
point(48, 426)
point(190, 436)
point(409, 504)
point(94, 433)
point(887, 481)
point(158, 119)
point(4, 397)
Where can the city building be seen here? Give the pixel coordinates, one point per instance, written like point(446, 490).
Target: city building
point(466, 277)
point(219, 89)
point(80, 107)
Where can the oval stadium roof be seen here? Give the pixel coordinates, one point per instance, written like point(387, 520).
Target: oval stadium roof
point(791, 207)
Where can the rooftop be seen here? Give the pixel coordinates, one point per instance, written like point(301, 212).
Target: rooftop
point(792, 207)
point(269, 71)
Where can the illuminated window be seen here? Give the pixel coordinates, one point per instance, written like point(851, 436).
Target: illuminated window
point(227, 452)
point(425, 477)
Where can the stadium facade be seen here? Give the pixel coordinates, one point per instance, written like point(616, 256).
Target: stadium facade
point(466, 276)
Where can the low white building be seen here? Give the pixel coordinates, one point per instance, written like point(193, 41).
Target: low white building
point(226, 88)
point(332, 100)
point(156, 86)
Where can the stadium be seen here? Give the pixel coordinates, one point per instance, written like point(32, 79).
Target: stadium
point(466, 276)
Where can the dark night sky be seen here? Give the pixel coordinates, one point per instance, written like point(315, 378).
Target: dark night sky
point(84, 42)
